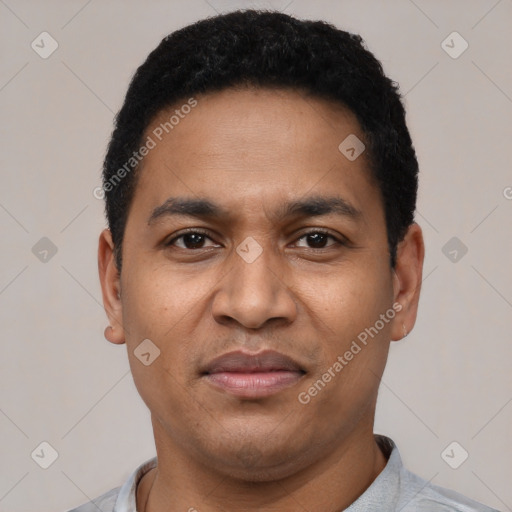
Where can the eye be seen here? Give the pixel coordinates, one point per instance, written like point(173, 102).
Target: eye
point(192, 239)
point(196, 239)
point(318, 239)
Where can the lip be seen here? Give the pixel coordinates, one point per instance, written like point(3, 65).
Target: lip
point(253, 375)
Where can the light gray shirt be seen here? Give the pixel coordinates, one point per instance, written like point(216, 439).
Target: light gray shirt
point(394, 490)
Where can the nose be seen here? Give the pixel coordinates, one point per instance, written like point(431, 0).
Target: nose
point(254, 293)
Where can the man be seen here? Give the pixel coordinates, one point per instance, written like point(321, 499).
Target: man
point(260, 192)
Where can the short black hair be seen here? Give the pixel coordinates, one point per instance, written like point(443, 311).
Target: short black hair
point(267, 49)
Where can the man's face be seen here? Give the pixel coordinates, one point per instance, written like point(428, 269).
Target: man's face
point(303, 283)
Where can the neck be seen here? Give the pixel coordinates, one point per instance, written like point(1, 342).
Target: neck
point(330, 483)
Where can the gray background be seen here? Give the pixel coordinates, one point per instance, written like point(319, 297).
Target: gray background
point(64, 384)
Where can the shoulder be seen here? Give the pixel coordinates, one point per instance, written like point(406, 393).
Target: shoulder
point(120, 499)
point(418, 495)
point(104, 503)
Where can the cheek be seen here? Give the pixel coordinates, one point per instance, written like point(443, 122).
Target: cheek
point(157, 300)
point(168, 308)
point(350, 299)
point(355, 344)
point(158, 310)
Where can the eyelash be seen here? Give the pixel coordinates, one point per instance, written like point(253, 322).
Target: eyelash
point(321, 231)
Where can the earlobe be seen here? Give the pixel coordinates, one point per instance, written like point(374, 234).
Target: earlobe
point(110, 288)
point(407, 277)
point(111, 335)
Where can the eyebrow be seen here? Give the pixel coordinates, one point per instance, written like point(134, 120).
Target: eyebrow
point(204, 208)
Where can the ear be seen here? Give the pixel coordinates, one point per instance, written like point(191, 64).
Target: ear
point(407, 279)
point(110, 288)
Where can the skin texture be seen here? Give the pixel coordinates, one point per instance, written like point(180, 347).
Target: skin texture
point(250, 151)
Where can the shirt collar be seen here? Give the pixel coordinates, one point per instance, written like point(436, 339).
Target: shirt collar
point(384, 492)
point(127, 497)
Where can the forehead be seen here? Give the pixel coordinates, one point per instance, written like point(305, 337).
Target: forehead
point(252, 146)
point(228, 121)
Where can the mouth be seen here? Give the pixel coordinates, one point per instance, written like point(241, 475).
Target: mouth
point(252, 375)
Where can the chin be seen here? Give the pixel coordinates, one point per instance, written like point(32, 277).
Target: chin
point(257, 460)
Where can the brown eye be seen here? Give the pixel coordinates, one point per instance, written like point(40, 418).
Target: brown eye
point(190, 240)
point(319, 240)
point(193, 240)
